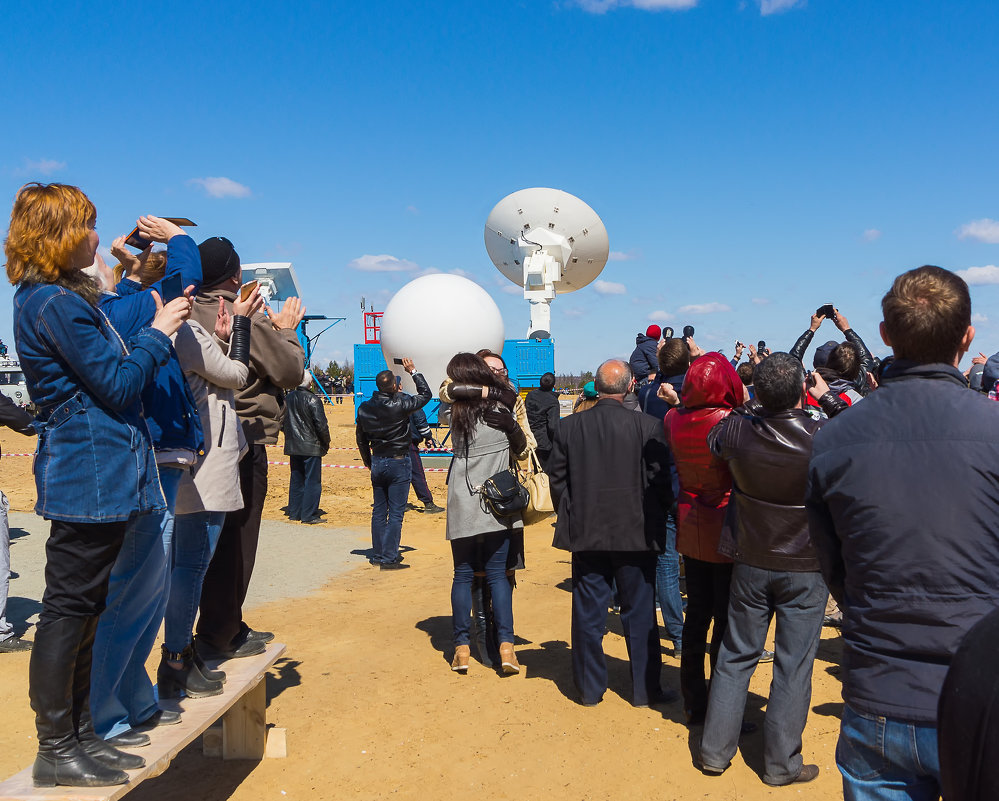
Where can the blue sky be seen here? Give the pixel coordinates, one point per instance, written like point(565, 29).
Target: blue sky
point(751, 159)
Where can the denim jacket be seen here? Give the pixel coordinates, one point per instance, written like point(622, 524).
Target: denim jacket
point(94, 461)
point(170, 408)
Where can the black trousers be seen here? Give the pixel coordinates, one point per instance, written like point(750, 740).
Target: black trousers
point(78, 562)
point(228, 578)
point(592, 574)
point(419, 478)
point(707, 599)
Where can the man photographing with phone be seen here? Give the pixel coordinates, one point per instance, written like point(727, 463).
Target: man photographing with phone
point(277, 363)
point(828, 311)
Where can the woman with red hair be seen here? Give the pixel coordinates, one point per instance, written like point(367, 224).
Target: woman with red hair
point(94, 467)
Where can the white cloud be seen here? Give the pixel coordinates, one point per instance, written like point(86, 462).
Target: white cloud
point(768, 7)
point(382, 264)
point(609, 288)
point(619, 255)
point(989, 274)
point(761, 301)
point(513, 289)
point(603, 6)
point(658, 316)
point(221, 187)
point(412, 210)
point(40, 167)
point(978, 317)
point(984, 230)
point(704, 308)
point(871, 235)
point(573, 313)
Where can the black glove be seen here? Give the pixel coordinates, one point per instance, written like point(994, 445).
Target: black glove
point(430, 442)
point(501, 421)
point(505, 396)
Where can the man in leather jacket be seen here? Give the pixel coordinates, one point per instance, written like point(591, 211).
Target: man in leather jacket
point(822, 351)
point(776, 572)
point(306, 441)
point(383, 439)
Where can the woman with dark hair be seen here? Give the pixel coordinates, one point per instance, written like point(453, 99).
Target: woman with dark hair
point(485, 433)
point(94, 468)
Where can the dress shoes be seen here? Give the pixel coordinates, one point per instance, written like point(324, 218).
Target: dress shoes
point(807, 774)
point(161, 717)
point(129, 739)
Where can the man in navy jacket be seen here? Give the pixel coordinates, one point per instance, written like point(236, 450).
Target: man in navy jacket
point(903, 506)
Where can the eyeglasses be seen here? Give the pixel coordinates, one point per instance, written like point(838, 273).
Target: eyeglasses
point(502, 371)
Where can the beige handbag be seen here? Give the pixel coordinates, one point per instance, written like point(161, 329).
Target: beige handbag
point(535, 479)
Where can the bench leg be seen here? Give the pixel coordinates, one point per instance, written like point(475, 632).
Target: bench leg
point(244, 726)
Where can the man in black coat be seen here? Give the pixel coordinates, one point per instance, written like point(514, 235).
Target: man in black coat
point(609, 471)
point(306, 441)
point(903, 501)
point(541, 405)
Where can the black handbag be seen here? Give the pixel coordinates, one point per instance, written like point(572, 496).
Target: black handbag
point(504, 494)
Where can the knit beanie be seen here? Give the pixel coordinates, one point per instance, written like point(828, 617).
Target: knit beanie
point(219, 261)
point(654, 331)
point(590, 390)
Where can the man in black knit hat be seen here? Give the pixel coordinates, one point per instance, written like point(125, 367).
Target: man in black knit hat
point(277, 363)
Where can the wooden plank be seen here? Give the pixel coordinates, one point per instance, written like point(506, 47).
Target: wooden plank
point(244, 726)
point(277, 743)
point(244, 675)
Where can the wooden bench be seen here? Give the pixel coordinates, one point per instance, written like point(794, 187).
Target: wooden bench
point(242, 706)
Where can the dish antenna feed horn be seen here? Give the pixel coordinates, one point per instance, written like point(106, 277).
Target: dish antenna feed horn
point(548, 242)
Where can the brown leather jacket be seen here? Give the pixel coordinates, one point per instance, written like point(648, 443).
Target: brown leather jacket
point(766, 525)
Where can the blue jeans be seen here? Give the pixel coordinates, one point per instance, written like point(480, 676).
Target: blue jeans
point(305, 487)
point(885, 759)
point(799, 601)
point(668, 586)
point(6, 630)
point(390, 477)
point(121, 694)
point(469, 553)
point(195, 536)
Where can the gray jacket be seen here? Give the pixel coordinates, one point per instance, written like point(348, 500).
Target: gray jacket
point(467, 515)
point(213, 484)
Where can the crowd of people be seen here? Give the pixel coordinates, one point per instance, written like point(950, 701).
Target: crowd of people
point(774, 485)
point(155, 392)
point(158, 385)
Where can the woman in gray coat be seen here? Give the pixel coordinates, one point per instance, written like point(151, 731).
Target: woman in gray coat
point(483, 432)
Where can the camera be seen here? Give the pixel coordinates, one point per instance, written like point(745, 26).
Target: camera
point(688, 331)
point(826, 311)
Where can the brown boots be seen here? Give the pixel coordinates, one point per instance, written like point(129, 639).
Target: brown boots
point(508, 658)
point(461, 656)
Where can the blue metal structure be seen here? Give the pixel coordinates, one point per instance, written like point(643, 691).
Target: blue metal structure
point(526, 359)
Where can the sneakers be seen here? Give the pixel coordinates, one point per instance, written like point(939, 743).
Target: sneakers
point(462, 654)
point(247, 648)
point(766, 656)
point(433, 509)
point(508, 659)
point(14, 644)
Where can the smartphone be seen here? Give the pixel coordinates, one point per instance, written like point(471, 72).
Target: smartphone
point(761, 346)
point(139, 242)
point(810, 378)
point(397, 361)
point(247, 289)
point(173, 287)
point(826, 311)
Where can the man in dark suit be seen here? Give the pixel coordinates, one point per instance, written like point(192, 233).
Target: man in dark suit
point(609, 471)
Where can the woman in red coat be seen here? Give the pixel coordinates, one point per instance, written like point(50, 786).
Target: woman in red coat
point(711, 390)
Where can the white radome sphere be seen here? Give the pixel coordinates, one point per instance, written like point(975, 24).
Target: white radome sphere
point(434, 317)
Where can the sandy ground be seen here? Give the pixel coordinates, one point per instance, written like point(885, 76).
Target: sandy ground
point(365, 693)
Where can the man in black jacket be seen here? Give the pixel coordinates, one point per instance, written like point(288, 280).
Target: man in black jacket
point(776, 572)
point(543, 415)
point(306, 441)
point(822, 351)
point(610, 481)
point(903, 501)
point(382, 435)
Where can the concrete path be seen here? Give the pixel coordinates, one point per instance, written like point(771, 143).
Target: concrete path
point(293, 560)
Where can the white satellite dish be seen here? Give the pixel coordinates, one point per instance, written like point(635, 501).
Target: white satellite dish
point(277, 280)
point(549, 242)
